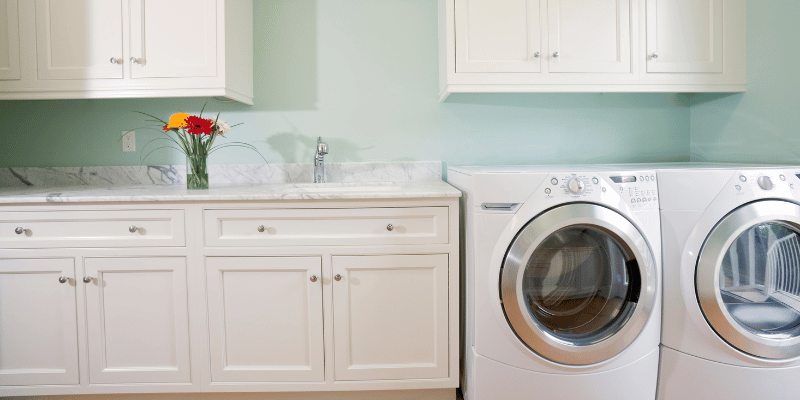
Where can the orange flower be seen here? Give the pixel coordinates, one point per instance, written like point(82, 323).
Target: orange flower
point(177, 121)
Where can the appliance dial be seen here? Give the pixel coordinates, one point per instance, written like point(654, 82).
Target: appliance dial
point(765, 183)
point(576, 186)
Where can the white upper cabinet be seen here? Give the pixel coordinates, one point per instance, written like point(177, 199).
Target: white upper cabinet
point(684, 36)
point(589, 36)
point(498, 36)
point(162, 47)
point(79, 49)
point(592, 46)
point(9, 40)
point(79, 39)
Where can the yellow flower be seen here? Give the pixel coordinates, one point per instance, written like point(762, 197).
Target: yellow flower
point(177, 121)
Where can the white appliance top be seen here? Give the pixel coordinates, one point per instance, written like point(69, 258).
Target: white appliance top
point(511, 169)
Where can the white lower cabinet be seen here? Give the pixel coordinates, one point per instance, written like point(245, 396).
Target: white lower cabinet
point(390, 316)
point(265, 319)
point(38, 329)
point(323, 296)
point(137, 320)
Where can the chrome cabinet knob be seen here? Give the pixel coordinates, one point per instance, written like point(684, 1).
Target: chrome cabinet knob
point(654, 55)
point(537, 55)
point(87, 279)
point(313, 278)
point(555, 55)
point(134, 60)
point(133, 228)
point(116, 60)
point(390, 227)
point(261, 228)
point(19, 231)
point(63, 279)
point(337, 277)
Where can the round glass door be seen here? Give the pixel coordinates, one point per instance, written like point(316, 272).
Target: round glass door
point(571, 286)
point(748, 279)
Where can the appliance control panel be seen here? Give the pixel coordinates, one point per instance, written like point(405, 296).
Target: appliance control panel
point(763, 182)
point(639, 191)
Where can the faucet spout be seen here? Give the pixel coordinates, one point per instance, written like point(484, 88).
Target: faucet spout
point(319, 161)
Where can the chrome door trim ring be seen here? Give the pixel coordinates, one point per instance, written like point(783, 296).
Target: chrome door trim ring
point(707, 285)
point(523, 246)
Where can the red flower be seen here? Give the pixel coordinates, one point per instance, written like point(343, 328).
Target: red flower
point(197, 125)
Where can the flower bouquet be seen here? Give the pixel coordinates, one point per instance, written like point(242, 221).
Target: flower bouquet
point(195, 136)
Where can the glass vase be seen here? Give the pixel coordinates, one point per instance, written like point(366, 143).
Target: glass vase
point(196, 171)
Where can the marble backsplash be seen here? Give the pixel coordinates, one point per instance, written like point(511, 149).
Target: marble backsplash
point(219, 174)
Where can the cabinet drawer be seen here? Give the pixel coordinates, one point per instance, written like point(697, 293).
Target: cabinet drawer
point(305, 227)
point(39, 229)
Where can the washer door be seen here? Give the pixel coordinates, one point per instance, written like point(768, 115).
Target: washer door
point(748, 279)
point(578, 284)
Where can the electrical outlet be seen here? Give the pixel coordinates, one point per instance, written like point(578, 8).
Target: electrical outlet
point(128, 140)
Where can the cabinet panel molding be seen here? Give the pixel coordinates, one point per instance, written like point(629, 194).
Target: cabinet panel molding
point(137, 319)
point(265, 319)
point(380, 331)
point(9, 40)
point(38, 329)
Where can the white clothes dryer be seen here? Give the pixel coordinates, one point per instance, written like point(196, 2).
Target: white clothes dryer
point(562, 275)
point(731, 315)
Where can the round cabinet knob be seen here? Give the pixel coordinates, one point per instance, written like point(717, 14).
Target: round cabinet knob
point(116, 60)
point(537, 55)
point(337, 277)
point(87, 279)
point(556, 54)
point(261, 228)
point(390, 227)
point(19, 231)
point(576, 186)
point(313, 278)
point(765, 183)
point(134, 60)
point(654, 55)
point(63, 279)
point(132, 229)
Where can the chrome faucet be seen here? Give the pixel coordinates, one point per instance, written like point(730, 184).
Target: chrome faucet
point(319, 161)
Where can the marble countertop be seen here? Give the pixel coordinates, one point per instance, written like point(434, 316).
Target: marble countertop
point(229, 192)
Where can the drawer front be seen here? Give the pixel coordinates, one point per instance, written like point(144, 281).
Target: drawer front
point(117, 228)
point(307, 227)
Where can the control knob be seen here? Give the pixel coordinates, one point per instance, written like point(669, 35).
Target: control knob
point(765, 183)
point(576, 186)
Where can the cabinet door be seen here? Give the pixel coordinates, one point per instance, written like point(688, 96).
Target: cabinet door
point(498, 36)
point(173, 38)
point(79, 39)
point(589, 36)
point(138, 321)
point(686, 35)
point(265, 319)
point(38, 329)
point(390, 317)
point(9, 40)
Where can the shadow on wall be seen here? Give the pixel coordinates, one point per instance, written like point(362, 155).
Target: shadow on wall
point(286, 66)
point(294, 147)
point(571, 100)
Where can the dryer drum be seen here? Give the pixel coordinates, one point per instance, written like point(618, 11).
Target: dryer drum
point(748, 279)
point(578, 284)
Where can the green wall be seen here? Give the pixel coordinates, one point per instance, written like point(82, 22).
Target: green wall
point(763, 124)
point(363, 74)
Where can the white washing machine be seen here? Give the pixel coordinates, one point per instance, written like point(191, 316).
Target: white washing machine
point(562, 275)
point(731, 315)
